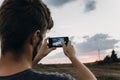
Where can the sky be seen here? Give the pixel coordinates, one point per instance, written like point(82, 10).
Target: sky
point(91, 25)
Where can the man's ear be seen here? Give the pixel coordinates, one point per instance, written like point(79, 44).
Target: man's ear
point(35, 37)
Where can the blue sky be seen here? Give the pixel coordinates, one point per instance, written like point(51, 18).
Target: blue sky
point(90, 24)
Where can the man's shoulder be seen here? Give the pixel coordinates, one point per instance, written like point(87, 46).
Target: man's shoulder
point(34, 75)
point(52, 76)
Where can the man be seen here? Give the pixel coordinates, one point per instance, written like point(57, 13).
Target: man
point(23, 25)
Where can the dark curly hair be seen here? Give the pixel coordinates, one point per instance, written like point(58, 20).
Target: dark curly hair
point(20, 18)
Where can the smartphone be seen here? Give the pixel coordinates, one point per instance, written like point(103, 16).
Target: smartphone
point(56, 41)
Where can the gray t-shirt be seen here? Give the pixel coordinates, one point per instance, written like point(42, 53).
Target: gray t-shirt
point(29, 74)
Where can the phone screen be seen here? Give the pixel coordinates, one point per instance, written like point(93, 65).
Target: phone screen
point(56, 41)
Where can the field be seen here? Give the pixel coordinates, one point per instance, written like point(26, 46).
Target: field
point(102, 72)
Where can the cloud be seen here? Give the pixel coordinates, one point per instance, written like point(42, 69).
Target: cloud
point(90, 5)
point(58, 3)
point(98, 41)
point(91, 44)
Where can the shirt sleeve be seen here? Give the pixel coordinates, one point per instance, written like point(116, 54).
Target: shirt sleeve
point(58, 76)
point(68, 77)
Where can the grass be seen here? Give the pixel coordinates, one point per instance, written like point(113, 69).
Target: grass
point(102, 72)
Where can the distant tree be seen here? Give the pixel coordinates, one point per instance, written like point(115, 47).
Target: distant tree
point(106, 59)
point(114, 57)
point(110, 59)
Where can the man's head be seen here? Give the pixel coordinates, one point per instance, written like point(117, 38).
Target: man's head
point(19, 19)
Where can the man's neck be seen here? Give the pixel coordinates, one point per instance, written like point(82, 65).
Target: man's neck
point(8, 66)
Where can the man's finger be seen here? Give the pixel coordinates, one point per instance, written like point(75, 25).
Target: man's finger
point(63, 45)
point(69, 43)
point(51, 49)
point(46, 40)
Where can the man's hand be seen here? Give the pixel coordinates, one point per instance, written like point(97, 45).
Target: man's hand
point(44, 49)
point(83, 72)
point(42, 52)
point(68, 49)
